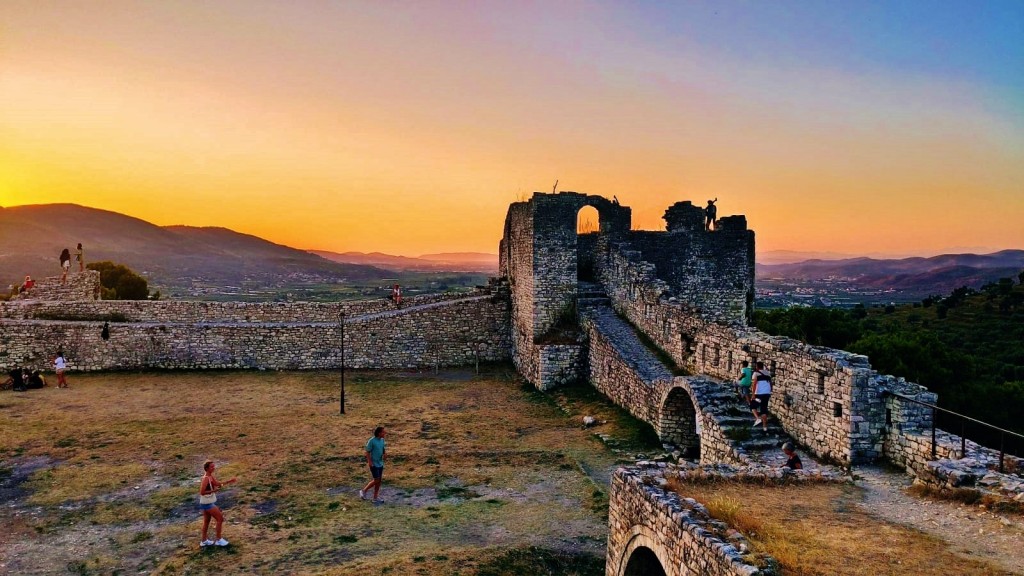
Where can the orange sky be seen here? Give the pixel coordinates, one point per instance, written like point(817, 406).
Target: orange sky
point(409, 129)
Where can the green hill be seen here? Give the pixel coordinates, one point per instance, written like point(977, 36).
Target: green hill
point(968, 347)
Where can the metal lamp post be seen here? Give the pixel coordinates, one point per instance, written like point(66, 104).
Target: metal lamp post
point(342, 402)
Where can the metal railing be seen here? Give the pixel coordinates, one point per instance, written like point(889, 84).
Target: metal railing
point(963, 428)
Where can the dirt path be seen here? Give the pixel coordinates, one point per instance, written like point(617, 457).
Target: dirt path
point(968, 530)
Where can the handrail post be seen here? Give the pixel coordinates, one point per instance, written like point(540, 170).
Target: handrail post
point(963, 438)
point(933, 434)
point(1002, 450)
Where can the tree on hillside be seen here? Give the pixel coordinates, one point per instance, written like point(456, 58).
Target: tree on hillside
point(120, 282)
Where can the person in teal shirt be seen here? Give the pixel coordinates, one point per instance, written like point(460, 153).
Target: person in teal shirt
point(746, 379)
point(375, 455)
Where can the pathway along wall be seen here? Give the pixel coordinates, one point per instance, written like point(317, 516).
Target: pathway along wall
point(451, 333)
point(828, 400)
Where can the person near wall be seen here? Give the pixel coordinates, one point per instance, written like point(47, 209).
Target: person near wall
point(745, 381)
point(27, 285)
point(762, 394)
point(35, 380)
point(396, 295)
point(65, 265)
point(15, 381)
point(375, 455)
point(792, 458)
point(208, 487)
point(80, 258)
point(60, 365)
point(710, 213)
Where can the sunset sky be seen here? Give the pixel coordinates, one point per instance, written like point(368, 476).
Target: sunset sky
point(408, 127)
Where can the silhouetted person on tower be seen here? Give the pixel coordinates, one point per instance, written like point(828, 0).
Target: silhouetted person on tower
point(709, 214)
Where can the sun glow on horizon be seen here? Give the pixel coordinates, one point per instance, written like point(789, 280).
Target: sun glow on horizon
point(409, 130)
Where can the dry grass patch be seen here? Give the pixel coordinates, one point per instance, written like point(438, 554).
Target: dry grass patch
point(819, 529)
point(479, 467)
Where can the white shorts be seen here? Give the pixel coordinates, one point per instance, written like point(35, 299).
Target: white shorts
point(65, 264)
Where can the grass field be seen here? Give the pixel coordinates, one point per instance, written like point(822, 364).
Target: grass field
point(819, 530)
point(485, 476)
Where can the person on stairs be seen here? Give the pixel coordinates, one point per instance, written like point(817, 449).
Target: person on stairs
point(762, 394)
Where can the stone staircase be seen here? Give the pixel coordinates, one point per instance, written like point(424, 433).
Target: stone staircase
point(716, 399)
point(590, 295)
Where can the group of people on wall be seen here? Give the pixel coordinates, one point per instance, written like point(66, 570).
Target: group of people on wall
point(755, 388)
point(22, 379)
point(65, 262)
point(65, 267)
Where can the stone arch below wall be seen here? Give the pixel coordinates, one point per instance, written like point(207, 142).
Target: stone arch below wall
point(643, 551)
point(643, 562)
point(677, 421)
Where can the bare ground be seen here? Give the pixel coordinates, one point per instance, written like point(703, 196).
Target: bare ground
point(102, 477)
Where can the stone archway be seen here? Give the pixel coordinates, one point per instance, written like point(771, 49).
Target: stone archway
point(588, 224)
point(643, 562)
point(677, 421)
point(642, 553)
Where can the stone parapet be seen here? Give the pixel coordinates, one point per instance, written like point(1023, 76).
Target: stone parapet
point(649, 522)
point(191, 311)
point(79, 286)
point(447, 333)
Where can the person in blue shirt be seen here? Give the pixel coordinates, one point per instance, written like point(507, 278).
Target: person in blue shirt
point(375, 455)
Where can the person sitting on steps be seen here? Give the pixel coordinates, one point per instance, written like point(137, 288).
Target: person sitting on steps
point(793, 460)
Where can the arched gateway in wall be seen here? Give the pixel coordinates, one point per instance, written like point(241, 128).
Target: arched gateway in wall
point(677, 421)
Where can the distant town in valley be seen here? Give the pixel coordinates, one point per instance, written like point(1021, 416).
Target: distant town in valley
point(185, 262)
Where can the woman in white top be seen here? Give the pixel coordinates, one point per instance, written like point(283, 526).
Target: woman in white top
point(763, 393)
point(59, 364)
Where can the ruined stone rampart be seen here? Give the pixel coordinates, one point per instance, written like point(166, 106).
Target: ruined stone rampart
point(684, 410)
point(450, 332)
point(83, 285)
point(828, 400)
point(651, 523)
point(190, 311)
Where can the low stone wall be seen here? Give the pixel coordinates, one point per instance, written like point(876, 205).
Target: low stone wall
point(559, 365)
point(191, 311)
point(83, 285)
point(452, 333)
point(678, 531)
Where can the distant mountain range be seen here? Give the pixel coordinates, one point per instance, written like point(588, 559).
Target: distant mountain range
point(938, 274)
point(31, 238)
point(446, 262)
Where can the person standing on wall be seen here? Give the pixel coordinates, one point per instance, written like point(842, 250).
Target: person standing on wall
point(396, 295)
point(375, 455)
point(762, 394)
point(80, 258)
point(65, 265)
point(208, 488)
point(59, 365)
point(709, 214)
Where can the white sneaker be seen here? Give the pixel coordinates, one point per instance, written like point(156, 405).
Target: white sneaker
point(221, 542)
point(362, 495)
point(755, 424)
point(206, 543)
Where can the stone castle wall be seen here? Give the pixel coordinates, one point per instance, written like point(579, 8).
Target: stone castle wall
point(446, 333)
point(83, 285)
point(679, 408)
point(828, 400)
point(191, 311)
